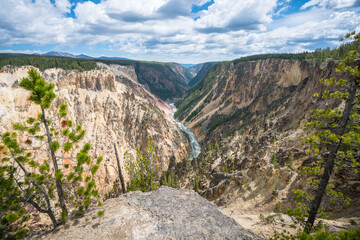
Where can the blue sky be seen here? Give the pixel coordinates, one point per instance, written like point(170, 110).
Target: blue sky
point(186, 31)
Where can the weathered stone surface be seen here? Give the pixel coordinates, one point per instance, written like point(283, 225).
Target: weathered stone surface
point(163, 214)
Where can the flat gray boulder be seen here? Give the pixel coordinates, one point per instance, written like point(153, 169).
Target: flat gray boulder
point(163, 214)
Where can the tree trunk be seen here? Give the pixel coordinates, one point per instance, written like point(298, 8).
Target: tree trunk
point(330, 159)
point(55, 164)
point(119, 170)
point(47, 211)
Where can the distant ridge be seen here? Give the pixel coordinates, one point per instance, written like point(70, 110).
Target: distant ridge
point(59, 54)
point(113, 58)
point(82, 56)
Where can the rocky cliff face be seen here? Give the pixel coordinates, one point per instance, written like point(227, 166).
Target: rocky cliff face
point(111, 111)
point(166, 80)
point(248, 116)
point(163, 214)
point(234, 93)
point(184, 72)
point(201, 71)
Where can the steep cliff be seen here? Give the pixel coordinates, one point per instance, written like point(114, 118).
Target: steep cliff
point(110, 105)
point(184, 72)
point(235, 94)
point(163, 79)
point(201, 71)
point(248, 116)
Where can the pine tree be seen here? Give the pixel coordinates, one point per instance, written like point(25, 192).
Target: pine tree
point(335, 142)
point(42, 94)
point(144, 169)
point(40, 164)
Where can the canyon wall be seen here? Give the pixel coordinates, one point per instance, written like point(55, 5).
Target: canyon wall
point(110, 104)
point(236, 92)
point(249, 117)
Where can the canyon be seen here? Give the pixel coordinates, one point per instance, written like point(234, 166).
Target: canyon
point(248, 116)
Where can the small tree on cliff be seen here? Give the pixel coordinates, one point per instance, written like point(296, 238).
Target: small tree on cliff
point(39, 163)
point(144, 169)
point(335, 142)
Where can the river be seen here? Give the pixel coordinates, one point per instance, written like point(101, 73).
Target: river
point(196, 148)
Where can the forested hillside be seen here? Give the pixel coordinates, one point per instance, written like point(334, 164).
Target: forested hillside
point(43, 63)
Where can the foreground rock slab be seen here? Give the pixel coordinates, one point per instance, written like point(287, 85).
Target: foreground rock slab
point(163, 214)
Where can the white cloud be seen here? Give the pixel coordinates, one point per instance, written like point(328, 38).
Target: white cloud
point(33, 22)
point(201, 2)
point(165, 29)
point(333, 4)
point(63, 5)
point(22, 51)
point(228, 15)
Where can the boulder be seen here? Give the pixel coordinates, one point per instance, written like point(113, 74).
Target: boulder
point(162, 214)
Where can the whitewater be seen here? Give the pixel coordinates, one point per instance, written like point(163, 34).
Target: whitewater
point(195, 145)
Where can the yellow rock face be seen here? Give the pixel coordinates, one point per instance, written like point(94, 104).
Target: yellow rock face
point(111, 112)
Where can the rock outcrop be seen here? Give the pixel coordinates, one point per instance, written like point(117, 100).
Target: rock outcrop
point(112, 113)
point(163, 214)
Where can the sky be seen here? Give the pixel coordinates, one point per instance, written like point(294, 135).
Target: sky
point(183, 31)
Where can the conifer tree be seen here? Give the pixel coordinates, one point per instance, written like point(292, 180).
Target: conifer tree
point(144, 169)
point(40, 164)
point(334, 143)
point(42, 94)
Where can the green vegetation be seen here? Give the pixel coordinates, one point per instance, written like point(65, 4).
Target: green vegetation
point(196, 183)
point(319, 54)
point(195, 113)
point(47, 62)
point(170, 179)
point(144, 169)
point(334, 143)
point(201, 74)
point(190, 100)
point(195, 94)
point(337, 53)
point(295, 56)
point(31, 171)
point(162, 79)
point(320, 234)
point(198, 91)
point(274, 161)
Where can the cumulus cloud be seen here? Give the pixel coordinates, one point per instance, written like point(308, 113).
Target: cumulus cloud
point(63, 5)
point(167, 30)
point(38, 22)
point(228, 15)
